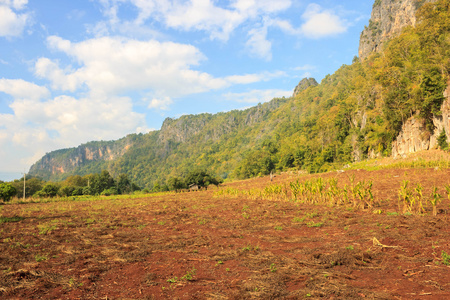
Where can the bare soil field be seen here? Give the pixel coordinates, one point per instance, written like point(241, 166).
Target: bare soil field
point(199, 245)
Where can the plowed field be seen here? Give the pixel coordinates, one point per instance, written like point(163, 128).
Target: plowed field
point(199, 245)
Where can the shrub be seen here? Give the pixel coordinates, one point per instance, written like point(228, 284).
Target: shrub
point(442, 140)
point(6, 191)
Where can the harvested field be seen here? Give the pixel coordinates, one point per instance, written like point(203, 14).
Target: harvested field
point(207, 245)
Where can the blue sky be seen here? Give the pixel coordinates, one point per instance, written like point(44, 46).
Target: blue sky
point(77, 71)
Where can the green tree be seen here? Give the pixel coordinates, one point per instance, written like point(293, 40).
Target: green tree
point(66, 190)
point(432, 96)
point(442, 140)
point(102, 182)
point(32, 185)
point(124, 184)
point(49, 190)
point(7, 191)
point(175, 183)
point(201, 178)
point(75, 181)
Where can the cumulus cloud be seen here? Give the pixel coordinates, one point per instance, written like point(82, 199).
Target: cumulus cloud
point(202, 15)
point(321, 23)
point(220, 19)
point(253, 78)
point(114, 65)
point(12, 22)
point(22, 89)
point(40, 123)
point(257, 96)
point(258, 44)
point(162, 103)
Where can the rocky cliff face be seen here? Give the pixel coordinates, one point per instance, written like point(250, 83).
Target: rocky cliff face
point(414, 137)
point(182, 129)
point(65, 160)
point(388, 19)
point(303, 85)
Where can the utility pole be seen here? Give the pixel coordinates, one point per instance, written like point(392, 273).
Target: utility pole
point(24, 180)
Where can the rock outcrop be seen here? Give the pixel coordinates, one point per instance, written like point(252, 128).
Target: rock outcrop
point(303, 85)
point(66, 160)
point(414, 137)
point(388, 19)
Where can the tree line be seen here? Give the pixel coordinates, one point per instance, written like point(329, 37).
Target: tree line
point(100, 184)
point(93, 184)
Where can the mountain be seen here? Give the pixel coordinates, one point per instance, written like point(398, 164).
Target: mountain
point(388, 19)
point(390, 102)
point(303, 85)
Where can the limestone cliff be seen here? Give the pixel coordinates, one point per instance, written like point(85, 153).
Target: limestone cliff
point(303, 85)
point(414, 137)
point(66, 160)
point(388, 19)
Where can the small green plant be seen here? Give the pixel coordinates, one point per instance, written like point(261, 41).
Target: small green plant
point(435, 199)
point(298, 220)
point(172, 280)
point(312, 224)
point(406, 201)
point(189, 275)
point(394, 213)
point(419, 197)
point(10, 219)
point(46, 229)
point(278, 228)
point(219, 263)
point(273, 268)
point(142, 226)
point(161, 222)
point(247, 248)
point(39, 258)
point(72, 282)
point(445, 258)
point(312, 215)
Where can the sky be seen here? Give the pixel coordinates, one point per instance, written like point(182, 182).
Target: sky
point(85, 70)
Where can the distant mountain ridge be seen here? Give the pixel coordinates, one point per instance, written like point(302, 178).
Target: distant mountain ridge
point(362, 110)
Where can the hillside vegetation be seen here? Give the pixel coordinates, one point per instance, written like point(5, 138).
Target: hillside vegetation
point(352, 114)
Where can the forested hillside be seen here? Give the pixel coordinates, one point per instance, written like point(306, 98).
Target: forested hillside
point(352, 114)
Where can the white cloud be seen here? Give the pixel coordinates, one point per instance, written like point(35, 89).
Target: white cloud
point(16, 4)
point(111, 65)
point(258, 44)
point(204, 15)
point(162, 104)
point(19, 88)
point(321, 23)
point(219, 22)
point(12, 23)
point(39, 126)
point(305, 68)
point(257, 96)
point(253, 78)
point(61, 79)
